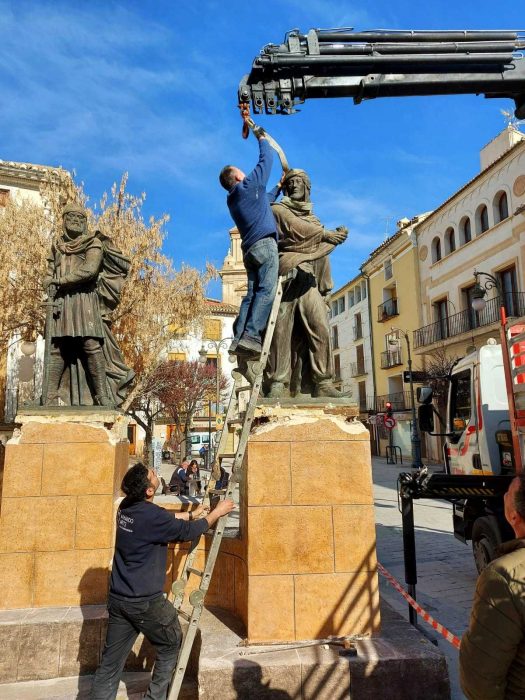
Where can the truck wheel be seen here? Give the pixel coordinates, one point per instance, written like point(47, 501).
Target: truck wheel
point(486, 538)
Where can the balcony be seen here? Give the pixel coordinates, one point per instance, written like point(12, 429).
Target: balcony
point(400, 401)
point(468, 320)
point(358, 332)
point(357, 369)
point(391, 358)
point(387, 310)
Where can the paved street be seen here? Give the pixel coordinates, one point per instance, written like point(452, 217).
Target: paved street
point(446, 571)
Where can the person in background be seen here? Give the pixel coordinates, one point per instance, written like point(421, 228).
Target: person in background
point(179, 479)
point(193, 472)
point(136, 602)
point(492, 653)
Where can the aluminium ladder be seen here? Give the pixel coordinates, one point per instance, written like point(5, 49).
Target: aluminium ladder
point(197, 596)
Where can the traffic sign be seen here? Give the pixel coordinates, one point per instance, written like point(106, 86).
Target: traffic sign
point(390, 423)
point(417, 377)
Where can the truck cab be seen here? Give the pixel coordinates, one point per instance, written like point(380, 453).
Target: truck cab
point(479, 439)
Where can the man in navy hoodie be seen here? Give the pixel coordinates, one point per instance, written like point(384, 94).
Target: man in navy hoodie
point(136, 601)
point(249, 206)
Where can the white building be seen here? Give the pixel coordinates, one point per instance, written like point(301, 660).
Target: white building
point(480, 227)
point(351, 341)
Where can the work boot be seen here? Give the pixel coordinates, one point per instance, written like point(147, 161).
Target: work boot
point(249, 345)
point(97, 371)
point(276, 390)
point(326, 389)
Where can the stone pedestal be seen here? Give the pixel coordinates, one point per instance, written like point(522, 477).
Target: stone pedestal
point(60, 487)
point(307, 528)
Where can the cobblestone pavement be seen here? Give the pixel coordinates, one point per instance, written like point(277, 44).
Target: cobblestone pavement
point(445, 567)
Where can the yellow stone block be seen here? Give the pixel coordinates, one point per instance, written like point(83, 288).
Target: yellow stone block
point(77, 470)
point(340, 604)
point(55, 518)
point(16, 579)
point(335, 472)
point(271, 608)
point(23, 470)
point(269, 478)
point(18, 524)
point(354, 538)
point(48, 433)
point(94, 522)
point(290, 540)
point(77, 577)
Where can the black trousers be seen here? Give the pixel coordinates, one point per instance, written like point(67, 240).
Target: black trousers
point(157, 619)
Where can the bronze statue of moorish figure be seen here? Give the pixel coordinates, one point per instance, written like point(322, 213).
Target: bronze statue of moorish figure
point(83, 364)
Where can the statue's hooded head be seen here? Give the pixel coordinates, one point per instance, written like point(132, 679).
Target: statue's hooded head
point(74, 220)
point(297, 185)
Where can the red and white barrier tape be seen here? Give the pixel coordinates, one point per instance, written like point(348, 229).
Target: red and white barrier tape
point(455, 641)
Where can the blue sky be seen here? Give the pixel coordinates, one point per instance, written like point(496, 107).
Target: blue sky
point(103, 87)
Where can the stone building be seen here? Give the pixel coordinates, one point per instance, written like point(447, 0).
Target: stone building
point(482, 227)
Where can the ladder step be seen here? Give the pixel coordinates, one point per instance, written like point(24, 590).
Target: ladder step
point(235, 421)
point(197, 572)
point(186, 616)
point(247, 387)
point(227, 455)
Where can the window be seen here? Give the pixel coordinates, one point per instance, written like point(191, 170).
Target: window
point(334, 308)
point(460, 404)
point(341, 301)
point(466, 231)
point(177, 356)
point(335, 338)
point(501, 207)
point(450, 241)
point(361, 386)
point(441, 315)
point(212, 329)
point(360, 359)
point(4, 196)
point(211, 361)
point(351, 299)
point(358, 327)
point(357, 294)
point(337, 367)
point(482, 219)
point(436, 249)
point(363, 290)
point(388, 268)
point(509, 287)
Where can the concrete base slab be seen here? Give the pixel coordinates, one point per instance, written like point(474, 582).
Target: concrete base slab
point(401, 664)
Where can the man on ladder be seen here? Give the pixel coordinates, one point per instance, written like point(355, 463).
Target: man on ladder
point(249, 206)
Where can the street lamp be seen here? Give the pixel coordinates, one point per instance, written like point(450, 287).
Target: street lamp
point(415, 438)
point(479, 292)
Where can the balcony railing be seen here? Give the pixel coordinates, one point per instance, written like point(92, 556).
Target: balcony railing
point(468, 319)
point(357, 369)
point(358, 332)
point(387, 309)
point(391, 358)
point(400, 401)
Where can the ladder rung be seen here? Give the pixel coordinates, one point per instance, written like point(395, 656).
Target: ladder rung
point(227, 455)
point(197, 572)
point(235, 421)
point(247, 387)
point(184, 615)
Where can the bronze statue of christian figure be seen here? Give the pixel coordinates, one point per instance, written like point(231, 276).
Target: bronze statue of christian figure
point(83, 364)
point(300, 361)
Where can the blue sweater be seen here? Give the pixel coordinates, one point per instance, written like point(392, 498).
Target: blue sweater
point(249, 203)
point(141, 547)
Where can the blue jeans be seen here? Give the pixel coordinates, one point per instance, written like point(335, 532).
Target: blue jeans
point(262, 266)
point(157, 619)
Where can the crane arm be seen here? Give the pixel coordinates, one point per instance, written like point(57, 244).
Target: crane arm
point(384, 63)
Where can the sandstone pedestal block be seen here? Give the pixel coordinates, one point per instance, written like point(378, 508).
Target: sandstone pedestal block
point(307, 528)
point(60, 488)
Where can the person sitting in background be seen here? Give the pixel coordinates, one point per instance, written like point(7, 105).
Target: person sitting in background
point(194, 473)
point(179, 479)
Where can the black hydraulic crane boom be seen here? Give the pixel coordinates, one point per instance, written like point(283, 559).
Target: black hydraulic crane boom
point(385, 63)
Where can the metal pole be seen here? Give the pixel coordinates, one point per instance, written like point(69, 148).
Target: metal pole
point(209, 433)
point(409, 550)
point(415, 438)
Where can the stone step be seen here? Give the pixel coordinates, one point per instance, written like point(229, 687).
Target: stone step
point(132, 687)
